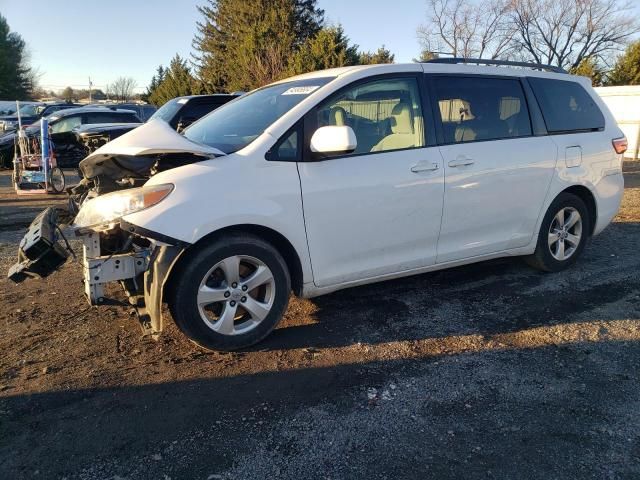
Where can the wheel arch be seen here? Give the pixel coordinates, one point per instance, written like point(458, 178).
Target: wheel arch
point(589, 200)
point(279, 242)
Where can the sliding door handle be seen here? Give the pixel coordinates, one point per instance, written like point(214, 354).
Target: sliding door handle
point(461, 161)
point(424, 167)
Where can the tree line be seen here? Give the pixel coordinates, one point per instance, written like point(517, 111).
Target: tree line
point(240, 45)
point(243, 44)
point(584, 37)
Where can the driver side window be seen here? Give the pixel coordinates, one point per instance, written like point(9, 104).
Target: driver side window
point(384, 114)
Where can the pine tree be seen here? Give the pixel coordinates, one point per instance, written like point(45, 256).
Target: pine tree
point(382, 55)
point(242, 44)
point(177, 81)
point(329, 48)
point(589, 68)
point(15, 76)
point(627, 69)
point(156, 80)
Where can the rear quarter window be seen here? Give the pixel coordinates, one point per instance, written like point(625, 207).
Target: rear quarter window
point(566, 106)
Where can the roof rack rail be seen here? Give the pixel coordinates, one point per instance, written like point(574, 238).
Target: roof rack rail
point(482, 61)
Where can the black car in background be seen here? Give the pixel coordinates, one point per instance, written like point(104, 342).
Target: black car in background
point(179, 113)
point(144, 110)
point(31, 113)
point(183, 111)
point(66, 147)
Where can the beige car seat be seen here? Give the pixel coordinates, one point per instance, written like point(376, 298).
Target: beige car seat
point(337, 116)
point(402, 132)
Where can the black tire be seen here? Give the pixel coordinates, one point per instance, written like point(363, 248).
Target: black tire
point(543, 258)
point(186, 281)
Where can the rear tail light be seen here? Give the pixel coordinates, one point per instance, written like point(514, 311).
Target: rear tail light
point(620, 145)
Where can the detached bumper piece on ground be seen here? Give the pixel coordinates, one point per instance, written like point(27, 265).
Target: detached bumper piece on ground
point(40, 252)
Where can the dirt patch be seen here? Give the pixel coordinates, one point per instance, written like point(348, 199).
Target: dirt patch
point(490, 370)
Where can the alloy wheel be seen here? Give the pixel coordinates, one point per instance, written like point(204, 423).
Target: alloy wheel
point(236, 295)
point(565, 233)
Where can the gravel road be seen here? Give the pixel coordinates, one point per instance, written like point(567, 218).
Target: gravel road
point(486, 371)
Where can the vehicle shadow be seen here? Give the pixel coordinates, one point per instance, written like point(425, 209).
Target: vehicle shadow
point(485, 298)
point(193, 428)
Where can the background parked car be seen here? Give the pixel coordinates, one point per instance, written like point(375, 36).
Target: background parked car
point(31, 113)
point(65, 144)
point(144, 111)
point(183, 111)
point(179, 113)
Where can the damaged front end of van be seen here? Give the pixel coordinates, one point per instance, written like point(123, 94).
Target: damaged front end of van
point(113, 248)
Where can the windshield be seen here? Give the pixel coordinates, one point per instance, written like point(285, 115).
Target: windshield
point(31, 110)
point(169, 109)
point(236, 124)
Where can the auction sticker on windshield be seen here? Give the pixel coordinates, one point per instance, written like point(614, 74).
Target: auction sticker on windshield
point(301, 90)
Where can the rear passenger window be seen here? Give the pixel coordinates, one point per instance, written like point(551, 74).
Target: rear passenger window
point(566, 106)
point(476, 108)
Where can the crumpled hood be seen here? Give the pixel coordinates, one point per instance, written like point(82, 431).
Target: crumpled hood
point(153, 137)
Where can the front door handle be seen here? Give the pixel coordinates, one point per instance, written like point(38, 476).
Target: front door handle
point(461, 161)
point(424, 167)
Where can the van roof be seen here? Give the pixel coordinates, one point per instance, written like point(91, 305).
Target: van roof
point(436, 68)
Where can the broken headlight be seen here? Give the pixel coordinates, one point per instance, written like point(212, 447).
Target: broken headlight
point(108, 208)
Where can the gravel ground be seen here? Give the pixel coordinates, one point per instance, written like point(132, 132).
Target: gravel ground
point(485, 371)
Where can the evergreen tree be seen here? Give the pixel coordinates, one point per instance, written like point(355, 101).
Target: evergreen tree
point(156, 80)
point(329, 48)
point(627, 69)
point(15, 76)
point(589, 68)
point(242, 44)
point(177, 81)
point(382, 55)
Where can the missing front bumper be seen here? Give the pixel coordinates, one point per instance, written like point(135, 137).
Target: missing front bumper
point(142, 270)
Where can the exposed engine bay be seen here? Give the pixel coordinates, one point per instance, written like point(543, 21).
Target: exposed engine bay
point(120, 172)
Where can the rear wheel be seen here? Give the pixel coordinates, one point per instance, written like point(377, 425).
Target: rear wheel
point(230, 294)
point(57, 180)
point(563, 234)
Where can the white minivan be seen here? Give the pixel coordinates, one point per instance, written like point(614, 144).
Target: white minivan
point(344, 177)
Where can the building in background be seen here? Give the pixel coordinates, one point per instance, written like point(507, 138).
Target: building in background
point(624, 103)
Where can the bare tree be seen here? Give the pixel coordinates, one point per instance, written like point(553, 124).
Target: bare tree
point(121, 89)
point(566, 32)
point(467, 29)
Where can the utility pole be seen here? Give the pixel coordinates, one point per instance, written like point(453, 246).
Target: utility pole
point(90, 85)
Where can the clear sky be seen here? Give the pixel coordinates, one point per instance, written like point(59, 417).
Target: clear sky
point(70, 40)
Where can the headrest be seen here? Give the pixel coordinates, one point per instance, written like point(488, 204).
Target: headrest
point(337, 116)
point(401, 119)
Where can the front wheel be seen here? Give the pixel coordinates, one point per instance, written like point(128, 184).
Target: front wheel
point(563, 234)
point(230, 294)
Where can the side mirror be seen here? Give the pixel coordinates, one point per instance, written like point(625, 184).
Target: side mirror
point(333, 140)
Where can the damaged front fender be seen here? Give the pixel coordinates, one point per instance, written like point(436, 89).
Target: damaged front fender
point(163, 259)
